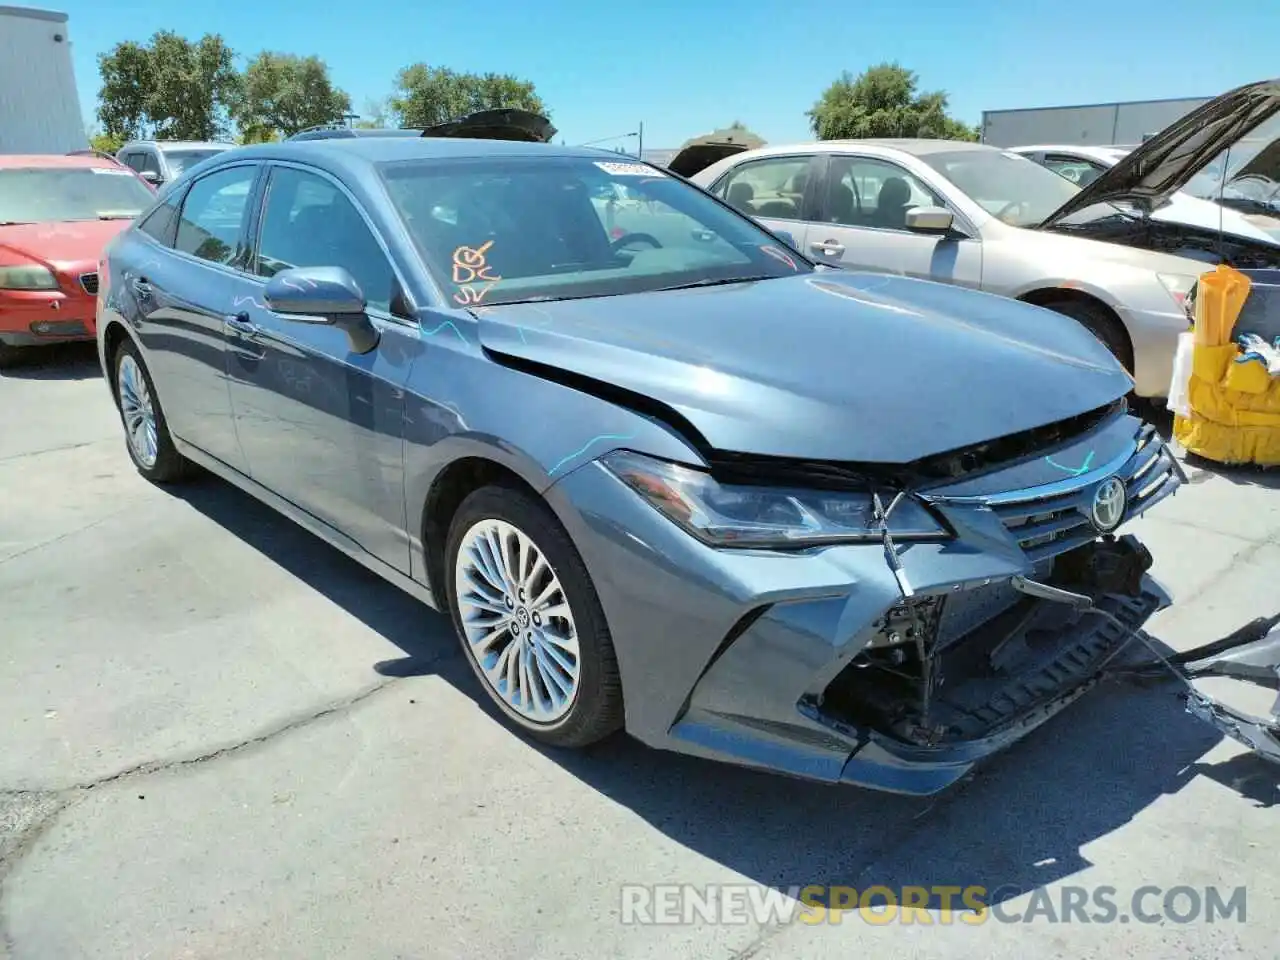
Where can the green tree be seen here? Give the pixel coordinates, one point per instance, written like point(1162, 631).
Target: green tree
point(106, 142)
point(883, 102)
point(282, 93)
point(169, 87)
point(425, 95)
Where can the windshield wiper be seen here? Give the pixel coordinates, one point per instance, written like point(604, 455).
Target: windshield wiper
point(116, 216)
point(712, 282)
point(14, 223)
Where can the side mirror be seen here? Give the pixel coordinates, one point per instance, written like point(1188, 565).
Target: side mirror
point(151, 177)
point(786, 238)
point(930, 220)
point(323, 295)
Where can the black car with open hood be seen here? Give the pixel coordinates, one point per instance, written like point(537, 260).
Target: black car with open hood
point(1197, 154)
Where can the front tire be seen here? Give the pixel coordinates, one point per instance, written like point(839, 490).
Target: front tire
point(146, 433)
point(529, 619)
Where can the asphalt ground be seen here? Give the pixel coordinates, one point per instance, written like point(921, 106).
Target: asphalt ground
point(221, 738)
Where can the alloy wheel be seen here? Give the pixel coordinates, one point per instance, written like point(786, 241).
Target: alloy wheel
point(138, 412)
point(516, 621)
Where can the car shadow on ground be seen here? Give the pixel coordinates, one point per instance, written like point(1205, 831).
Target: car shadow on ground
point(1020, 822)
point(60, 361)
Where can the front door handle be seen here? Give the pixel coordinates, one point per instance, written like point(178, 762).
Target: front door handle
point(241, 324)
point(829, 248)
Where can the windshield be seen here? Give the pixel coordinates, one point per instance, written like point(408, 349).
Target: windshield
point(1016, 190)
point(503, 231)
point(180, 161)
point(46, 194)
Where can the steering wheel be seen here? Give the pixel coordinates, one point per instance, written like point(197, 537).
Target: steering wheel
point(627, 239)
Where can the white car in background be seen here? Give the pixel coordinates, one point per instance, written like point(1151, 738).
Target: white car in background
point(1084, 164)
point(991, 219)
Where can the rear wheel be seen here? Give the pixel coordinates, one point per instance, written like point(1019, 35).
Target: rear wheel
point(1101, 323)
point(146, 433)
point(530, 620)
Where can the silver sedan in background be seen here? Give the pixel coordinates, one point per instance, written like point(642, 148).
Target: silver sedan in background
point(988, 218)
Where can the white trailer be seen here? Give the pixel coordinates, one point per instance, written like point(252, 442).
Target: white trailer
point(39, 106)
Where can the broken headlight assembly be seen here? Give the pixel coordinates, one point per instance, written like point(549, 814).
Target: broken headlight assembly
point(741, 515)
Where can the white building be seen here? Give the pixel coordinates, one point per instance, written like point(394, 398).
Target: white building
point(39, 106)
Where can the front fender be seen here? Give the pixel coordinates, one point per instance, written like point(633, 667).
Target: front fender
point(462, 404)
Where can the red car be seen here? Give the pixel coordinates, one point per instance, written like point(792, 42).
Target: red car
point(56, 216)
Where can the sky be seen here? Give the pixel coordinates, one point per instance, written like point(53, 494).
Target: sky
point(683, 69)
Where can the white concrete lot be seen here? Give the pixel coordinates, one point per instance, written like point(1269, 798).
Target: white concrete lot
point(223, 739)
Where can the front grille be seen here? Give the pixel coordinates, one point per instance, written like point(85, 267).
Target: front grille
point(89, 283)
point(1047, 526)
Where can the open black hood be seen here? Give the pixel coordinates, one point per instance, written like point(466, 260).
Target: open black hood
point(1164, 164)
point(522, 125)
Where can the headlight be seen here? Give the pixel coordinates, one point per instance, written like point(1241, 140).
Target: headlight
point(1178, 286)
point(727, 515)
point(28, 277)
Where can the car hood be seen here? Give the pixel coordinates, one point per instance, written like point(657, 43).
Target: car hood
point(1165, 163)
point(60, 245)
point(825, 366)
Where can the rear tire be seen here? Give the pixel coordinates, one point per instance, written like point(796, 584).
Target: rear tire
point(529, 619)
point(146, 432)
point(1101, 323)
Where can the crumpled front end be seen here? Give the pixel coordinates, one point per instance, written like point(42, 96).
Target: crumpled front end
point(814, 662)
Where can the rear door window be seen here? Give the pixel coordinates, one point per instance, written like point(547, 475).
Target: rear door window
point(211, 225)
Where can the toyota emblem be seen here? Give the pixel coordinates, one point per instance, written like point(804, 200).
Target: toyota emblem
point(1109, 502)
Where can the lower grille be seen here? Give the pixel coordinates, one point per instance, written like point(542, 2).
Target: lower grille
point(1047, 526)
point(89, 283)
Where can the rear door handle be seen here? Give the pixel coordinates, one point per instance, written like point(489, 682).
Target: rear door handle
point(829, 247)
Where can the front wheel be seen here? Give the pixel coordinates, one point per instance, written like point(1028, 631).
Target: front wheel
point(146, 433)
point(530, 620)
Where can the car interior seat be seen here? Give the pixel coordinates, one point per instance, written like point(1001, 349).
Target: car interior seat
point(892, 202)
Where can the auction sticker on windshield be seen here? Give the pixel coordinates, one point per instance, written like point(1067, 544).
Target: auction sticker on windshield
point(628, 169)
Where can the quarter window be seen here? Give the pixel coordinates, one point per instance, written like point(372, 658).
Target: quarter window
point(212, 219)
point(161, 222)
point(865, 192)
point(309, 222)
point(772, 188)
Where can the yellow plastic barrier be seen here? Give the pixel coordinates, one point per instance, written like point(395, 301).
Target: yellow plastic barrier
point(1235, 407)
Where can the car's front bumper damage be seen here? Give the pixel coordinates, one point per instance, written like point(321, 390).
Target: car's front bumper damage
point(814, 663)
point(1250, 654)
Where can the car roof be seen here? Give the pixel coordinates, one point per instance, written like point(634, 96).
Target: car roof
point(179, 144)
point(918, 148)
point(1079, 149)
point(344, 150)
point(11, 161)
